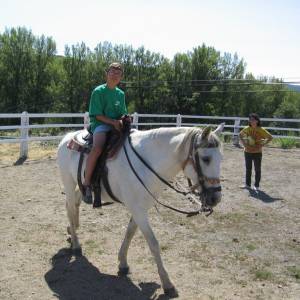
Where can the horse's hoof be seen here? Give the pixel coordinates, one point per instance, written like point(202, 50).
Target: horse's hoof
point(171, 292)
point(123, 271)
point(77, 252)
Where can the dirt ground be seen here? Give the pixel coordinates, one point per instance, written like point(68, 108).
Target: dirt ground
point(249, 248)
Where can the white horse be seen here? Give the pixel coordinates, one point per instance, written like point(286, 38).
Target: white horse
point(168, 151)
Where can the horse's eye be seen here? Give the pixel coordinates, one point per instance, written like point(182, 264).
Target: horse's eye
point(206, 159)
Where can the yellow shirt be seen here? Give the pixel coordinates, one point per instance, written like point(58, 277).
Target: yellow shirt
point(254, 138)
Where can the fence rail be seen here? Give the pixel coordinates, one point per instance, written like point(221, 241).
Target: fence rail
point(232, 125)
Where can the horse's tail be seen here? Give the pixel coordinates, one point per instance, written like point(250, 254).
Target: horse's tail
point(67, 161)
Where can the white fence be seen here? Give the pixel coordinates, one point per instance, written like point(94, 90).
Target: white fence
point(232, 125)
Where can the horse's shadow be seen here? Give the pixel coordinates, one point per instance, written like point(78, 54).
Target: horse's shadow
point(261, 195)
point(74, 277)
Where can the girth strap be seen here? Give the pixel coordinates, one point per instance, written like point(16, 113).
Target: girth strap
point(106, 185)
point(102, 177)
point(79, 170)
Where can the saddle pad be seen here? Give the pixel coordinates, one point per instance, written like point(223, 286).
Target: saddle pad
point(77, 143)
point(79, 137)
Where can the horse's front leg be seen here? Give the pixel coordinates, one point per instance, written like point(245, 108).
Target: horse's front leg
point(143, 223)
point(123, 265)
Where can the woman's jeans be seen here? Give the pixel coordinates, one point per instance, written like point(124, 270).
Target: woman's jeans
point(256, 158)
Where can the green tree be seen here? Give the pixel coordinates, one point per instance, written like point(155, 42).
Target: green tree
point(201, 81)
point(44, 53)
point(75, 68)
point(16, 69)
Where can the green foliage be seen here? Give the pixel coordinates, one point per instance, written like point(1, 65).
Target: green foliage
point(288, 143)
point(263, 274)
point(200, 82)
point(25, 71)
point(294, 271)
point(226, 138)
point(251, 247)
point(289, 107)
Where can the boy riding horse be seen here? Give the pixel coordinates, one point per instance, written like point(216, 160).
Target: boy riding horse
point(107, 105)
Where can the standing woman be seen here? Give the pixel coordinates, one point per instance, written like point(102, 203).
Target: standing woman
point(254, 137)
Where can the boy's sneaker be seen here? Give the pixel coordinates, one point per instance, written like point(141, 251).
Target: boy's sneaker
point(88, 195)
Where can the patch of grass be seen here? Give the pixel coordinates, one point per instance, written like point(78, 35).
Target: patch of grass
point(9, 152)
point(90, 246)
point(100, 252)
point(294, 271)
point(226, 138)
point(232, 217)
point(293, 246)
point(263, 274)
point(251, 247)
point(164, 247)
point(267, 263)
point(196, 252)
point(241, 282)
point(242, 257)
point(288, 143)
point(36, 150)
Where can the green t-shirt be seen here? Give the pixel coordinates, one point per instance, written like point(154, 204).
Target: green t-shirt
point(106, 102)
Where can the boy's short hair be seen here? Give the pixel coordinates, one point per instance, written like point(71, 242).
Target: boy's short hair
point(116, 66)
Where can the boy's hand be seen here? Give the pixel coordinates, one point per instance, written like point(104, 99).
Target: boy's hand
point(118, 125)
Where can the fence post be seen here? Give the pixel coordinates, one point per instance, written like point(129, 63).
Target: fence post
point(24, 135)
point(135, 120)
point(178, 120)
point(86, 120)
point(236, 131)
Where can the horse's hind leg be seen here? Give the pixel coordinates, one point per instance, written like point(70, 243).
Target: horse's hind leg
point(123, 265)
point(143, 223)
point(72, 206)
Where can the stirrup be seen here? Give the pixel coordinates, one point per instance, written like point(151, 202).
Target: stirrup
point(88, 195)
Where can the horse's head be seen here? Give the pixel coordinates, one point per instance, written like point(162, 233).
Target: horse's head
point(203, 165)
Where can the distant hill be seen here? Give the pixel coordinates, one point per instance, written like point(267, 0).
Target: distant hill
point(293, 87)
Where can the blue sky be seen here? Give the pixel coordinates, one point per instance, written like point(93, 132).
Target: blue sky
point(265, 33)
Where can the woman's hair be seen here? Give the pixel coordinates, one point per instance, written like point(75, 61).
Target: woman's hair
point(256, 117)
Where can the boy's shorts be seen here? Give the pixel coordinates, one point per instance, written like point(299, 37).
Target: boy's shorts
point(103, 128)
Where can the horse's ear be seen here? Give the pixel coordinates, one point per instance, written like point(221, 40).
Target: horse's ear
point(219, 129)
point(205, 133)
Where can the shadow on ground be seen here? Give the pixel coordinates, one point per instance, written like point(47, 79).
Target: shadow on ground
point(261, 195)
point(76, 278)
point(20, 161)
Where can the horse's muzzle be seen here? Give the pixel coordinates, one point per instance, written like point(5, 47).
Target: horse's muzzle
point(211, 196)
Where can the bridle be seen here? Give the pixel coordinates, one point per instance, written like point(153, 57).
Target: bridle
point(193, 156)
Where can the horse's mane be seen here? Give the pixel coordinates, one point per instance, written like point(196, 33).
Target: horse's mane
point(212, 142)
point(153, 133)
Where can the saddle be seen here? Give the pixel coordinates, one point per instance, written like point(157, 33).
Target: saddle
point(83, 144)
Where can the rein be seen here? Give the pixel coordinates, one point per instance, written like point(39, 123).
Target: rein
point(152, 170)
point(205, 191)
point(188, 213)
